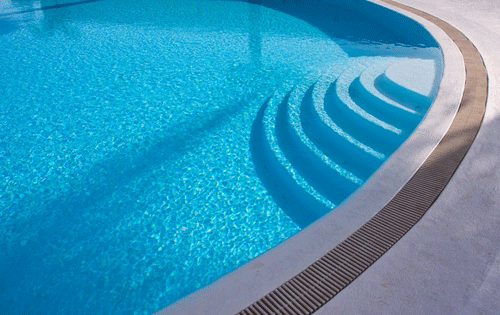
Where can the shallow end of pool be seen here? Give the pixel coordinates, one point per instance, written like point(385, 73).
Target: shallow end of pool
point(258, 277)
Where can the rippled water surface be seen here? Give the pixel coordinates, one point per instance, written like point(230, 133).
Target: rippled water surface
point(126, 178)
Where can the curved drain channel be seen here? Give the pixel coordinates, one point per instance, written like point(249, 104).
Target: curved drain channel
point(317, 284)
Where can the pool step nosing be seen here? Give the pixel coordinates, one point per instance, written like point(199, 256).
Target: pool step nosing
point(363, 91)
point(289, 195)
point(279, 130)
point(319, 106)
point(325, 180)
point(349, 107)
point(296, 102)
point(384, 107)
point(356, 126)
point(399, 94)
point(319, 130)
point(270, 132)
point(368, 81)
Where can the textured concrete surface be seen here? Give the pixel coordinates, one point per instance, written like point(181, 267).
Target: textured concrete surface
point(449, 263)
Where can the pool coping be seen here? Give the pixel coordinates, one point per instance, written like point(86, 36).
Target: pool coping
point(257, 278)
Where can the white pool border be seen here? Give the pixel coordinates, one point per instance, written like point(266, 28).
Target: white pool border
point(252, 281)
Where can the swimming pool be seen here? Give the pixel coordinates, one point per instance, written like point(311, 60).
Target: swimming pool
point(137, 138)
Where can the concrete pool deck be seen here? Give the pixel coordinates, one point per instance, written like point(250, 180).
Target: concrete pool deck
point(449, 262)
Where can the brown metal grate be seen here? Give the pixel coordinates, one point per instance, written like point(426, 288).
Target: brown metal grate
point(317, 284)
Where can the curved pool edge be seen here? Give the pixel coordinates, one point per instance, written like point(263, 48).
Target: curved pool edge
point(257, 278)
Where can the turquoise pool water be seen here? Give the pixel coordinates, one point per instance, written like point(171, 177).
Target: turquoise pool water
point(137, 139)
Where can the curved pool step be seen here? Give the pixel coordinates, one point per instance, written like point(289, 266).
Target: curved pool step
point(269, 123)
point(410, 82)
point(327, 180)
point(315, 143)
point(301, 95)
point(363, 90)
point(300, 205)
point(358, 128)
point(330, 138)
point(353, 117)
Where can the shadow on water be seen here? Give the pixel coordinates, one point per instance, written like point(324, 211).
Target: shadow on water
point(20, 264)
point(15, 270)
point(255, 34)
point(366, 33)
point(50, 7)
point(104, 178)
point(7, 25)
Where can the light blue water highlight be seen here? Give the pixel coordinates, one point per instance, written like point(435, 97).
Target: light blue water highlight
point(126, 177)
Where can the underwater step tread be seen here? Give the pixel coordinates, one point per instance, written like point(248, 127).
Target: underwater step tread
point(331, 181)
point(332, 107)
point(415, 75)
point(299, 136)
point(269, 122)
point(349, 107)
point(300, 95)
point(363, 91)
point(299, 205)
point(411, 82)
point(327, 136)
point(371, 74)
point(327, 106)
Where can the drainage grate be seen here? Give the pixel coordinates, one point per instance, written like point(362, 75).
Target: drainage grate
point(317, 284)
